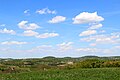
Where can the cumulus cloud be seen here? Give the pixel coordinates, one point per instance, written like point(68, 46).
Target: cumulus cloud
point(37, 35)
point(47, 50)
point(93, 50)
point(30, 33)
point(102, 31)
point(57, 19)
point(41, 48)
point(26, 11)
point(2, 25)
point(100, 51)
point(88, 32)
point(13, 43)
point(58, 48)
point(32, 26)
point(112, 50)
point(47, 35)
point(28, 26)
point(46, 11)
point(93, 19)
point(93, 44)
point(95, 26)
point(7, 31)
point(86, 17)
point(65, 46)
point(103, 39)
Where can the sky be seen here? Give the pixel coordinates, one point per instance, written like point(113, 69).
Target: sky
point(60, 28)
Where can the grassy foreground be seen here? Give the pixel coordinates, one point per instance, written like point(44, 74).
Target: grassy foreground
point(73, 74)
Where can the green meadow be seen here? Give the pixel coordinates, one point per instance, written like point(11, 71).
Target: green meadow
point(74, 74)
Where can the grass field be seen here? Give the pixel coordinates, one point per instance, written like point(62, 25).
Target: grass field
point(75, 74)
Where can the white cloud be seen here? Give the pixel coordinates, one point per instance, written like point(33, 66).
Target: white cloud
point(59, 48)
point(41, 48)
point(49, 50)
point(13, 43)
point(26, 11)
point(107, 41)
point(7, 31)
point(65, 46)
point(87, 39)
point(102, 31)
point(37, 35)
point(28, 26)
point(93, 44)
point(103, 39)
point(114, 50)
point(30, 33)
point(57, 19)
point(88, 32)
point(2, 25)
point(86, 17)
point(100, 51)
point(93, 50)
point(95, 26)
point(46, 11)
point(44, 46)
point(47, 35)
point(62, 48)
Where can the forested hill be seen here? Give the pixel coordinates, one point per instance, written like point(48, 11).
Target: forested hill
point(50, 62)
point(64, 58)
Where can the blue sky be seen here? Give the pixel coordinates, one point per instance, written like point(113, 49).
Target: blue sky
point(59, 28)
